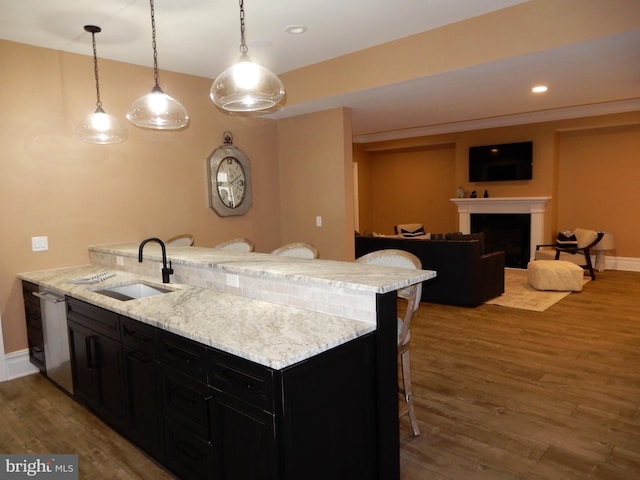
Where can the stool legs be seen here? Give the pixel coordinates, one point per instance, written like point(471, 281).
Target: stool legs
point(405, 360)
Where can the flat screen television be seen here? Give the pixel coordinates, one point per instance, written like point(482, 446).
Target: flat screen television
point(498, 163)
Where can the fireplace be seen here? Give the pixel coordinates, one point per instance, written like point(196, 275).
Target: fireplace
point(533, 207)
point(510, 232)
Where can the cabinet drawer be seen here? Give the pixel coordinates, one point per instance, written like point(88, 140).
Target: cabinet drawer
point(185, 400)
point(140, 336)
point(242, 379)
point(184, 355)
point(98, 319)
point(189, 456)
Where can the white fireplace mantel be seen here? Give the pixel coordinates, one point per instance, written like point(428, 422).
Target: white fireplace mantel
point(535, 206)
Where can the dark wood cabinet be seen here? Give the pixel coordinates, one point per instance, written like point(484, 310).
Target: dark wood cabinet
point(97, 362)
point(270, 424)
point(185, 399)
point(329, 414)
point(35, 333)
point(243, 418)
point(244, 439)
point(142, 386)
point(210, 415)
point(142, 377)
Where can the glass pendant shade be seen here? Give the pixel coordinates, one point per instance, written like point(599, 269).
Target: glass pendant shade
point(159, 111)
point(101, 128)
point(247, 87)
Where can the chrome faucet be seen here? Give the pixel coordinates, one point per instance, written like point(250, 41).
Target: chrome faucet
point(166, 271)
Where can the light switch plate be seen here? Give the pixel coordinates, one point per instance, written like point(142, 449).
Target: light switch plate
point(39, 244)
point(318, 221)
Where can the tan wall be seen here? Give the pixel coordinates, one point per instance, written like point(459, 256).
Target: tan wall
point(398, 177)
point(153, 184)
point(589, 167)
point(316, 179)
point(599, 176)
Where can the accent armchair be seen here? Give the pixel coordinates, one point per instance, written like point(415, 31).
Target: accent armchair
point(586, 240)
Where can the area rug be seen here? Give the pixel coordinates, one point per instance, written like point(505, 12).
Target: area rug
point(519, 294)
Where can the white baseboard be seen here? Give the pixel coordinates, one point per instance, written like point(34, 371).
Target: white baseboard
point(629, 264)
point(18, 364)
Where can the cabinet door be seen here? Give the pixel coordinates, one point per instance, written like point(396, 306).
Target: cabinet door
point(112, 406)
point(85, 385)
point(244, 440)
point(143, 389)
point(97, 366)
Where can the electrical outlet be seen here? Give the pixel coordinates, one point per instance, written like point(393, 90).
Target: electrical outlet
point(233, 280)
point(318, 221)
point(119, 260)
point(39, 244)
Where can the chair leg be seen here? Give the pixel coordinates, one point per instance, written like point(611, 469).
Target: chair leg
point(406, 388)
point(587, 257)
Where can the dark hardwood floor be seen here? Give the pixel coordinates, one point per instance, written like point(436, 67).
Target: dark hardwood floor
point(500, 394)
point(510, 394)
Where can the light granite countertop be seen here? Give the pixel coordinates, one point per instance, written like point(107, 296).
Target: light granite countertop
point(269, 334)
point(327, 273)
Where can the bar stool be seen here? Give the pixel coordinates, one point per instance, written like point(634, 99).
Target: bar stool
point(412, 294)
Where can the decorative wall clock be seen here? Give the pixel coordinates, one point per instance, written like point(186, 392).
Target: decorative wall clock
point(229, 174)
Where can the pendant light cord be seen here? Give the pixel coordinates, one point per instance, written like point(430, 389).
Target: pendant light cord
point(243, 44)
point(153, 44)
point(93, 31)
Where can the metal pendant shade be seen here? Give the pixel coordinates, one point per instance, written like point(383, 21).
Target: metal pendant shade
point(99, 127)
point(247, 86)
point(157, 110)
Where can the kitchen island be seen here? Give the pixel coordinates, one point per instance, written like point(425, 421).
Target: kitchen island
point(306, 380)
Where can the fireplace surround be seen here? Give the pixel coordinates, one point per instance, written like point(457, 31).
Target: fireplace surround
point(534, 206)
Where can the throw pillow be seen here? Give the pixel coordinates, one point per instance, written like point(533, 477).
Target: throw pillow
point(412, 233)
point(566, 239)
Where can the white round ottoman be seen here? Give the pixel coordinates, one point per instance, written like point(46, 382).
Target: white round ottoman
point(555, 275)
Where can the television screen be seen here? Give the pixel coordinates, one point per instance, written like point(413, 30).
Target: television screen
point(496, 163)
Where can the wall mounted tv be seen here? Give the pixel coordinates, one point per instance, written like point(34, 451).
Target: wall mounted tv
point(497, 163)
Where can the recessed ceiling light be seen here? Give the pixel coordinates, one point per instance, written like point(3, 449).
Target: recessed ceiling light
point(295, 29)
point(539, 89)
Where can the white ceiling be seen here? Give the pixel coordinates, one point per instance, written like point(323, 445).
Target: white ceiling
point(201, 37)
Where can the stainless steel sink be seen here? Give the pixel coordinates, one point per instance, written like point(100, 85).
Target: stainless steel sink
point(133, 291)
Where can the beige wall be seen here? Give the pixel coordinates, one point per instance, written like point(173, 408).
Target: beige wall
point(589, 167)
point(316, 179)
point(599, 176)
point(398, 177)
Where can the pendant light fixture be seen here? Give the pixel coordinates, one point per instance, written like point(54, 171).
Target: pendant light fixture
point(99, 127)
point(157, 110)
point(247, 86)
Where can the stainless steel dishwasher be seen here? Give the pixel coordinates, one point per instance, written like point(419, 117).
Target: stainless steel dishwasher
point(56, 337)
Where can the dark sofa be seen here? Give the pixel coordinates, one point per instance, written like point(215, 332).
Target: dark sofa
point(466, 276)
